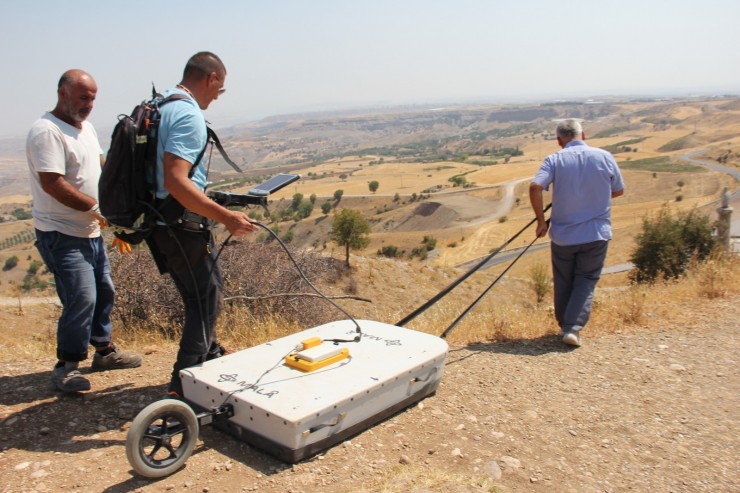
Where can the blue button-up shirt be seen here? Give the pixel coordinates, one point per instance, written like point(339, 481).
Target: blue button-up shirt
point(583, 179)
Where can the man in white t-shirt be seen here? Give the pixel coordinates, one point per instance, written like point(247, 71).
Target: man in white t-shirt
point(64, 159)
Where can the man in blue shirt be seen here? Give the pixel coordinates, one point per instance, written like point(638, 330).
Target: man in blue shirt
point(184, 247)
point(584, 180)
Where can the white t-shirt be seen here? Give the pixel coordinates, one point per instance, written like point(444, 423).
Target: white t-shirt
point(57, 147)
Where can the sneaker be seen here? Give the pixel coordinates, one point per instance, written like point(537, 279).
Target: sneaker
point(115, 360)
point(68, 378)
point(572, 339)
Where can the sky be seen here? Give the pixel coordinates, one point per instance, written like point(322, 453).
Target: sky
point(288, 56)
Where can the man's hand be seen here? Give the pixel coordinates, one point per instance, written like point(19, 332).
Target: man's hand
point(123, 246)
point(95, 212)
point(542, 227)
point(238, 223)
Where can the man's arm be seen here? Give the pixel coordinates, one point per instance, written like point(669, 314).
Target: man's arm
point(55, 185)
point(617, 194)
point(178, 183)
point(535, 199)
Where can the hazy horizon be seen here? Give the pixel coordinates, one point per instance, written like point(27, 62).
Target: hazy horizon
point(289, 57)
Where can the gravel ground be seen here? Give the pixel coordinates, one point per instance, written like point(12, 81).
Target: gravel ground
point(653, 409)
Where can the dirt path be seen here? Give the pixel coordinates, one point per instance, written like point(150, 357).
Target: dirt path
point(653, 410)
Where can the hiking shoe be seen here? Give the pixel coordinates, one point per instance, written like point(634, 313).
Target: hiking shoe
point(174, 389)
point(216, 352)
point(69, 379)
point(572, 339)
point(117, 359)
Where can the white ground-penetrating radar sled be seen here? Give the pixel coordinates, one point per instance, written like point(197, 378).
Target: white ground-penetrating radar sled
point(298, 395)
point(292, 397)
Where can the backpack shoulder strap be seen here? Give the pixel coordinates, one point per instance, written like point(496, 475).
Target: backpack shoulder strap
point(212, 136)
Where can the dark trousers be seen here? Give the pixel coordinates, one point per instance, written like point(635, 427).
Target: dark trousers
point(576, 270)
point(190, 259)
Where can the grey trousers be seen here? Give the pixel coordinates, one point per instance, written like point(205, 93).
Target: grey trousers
point(576, 270)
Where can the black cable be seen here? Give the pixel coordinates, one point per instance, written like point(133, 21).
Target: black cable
point(468, 309)
point(460, 279)
point(322, 295)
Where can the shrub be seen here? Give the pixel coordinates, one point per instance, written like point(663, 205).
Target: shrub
point(539, 276)
point(389, 251)
point(304, 210)
point(258, 277)
point(429, 242)
point(667, 244)
point(10, 263)
point(420, 252)
point(34, 267)
point(21, 214)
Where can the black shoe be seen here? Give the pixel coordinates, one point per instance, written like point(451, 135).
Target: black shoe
point(216, 352)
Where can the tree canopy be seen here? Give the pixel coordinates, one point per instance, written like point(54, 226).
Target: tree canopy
point(350, 230)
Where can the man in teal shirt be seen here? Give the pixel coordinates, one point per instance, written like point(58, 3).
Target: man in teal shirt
point(584, 180)
point(185, 249)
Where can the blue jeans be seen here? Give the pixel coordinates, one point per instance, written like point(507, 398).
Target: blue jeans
point(85, 288)
point(576, 270)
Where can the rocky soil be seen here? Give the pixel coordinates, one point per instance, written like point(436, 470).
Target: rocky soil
point(652, 409)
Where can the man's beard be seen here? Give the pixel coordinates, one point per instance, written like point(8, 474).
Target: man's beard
point(74, 114)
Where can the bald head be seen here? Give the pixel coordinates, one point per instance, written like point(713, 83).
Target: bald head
point(76, 92)
point(74, 76)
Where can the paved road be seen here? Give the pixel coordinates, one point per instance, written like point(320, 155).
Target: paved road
point(689, 157)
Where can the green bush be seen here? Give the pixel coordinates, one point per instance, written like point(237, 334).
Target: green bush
point(389, 251)
point(429, 242)
point(34, 267)
point(667, 244)
point(10, 263)
point(21, 214)
point(420, 252)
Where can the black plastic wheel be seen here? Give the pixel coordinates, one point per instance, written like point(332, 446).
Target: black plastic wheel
point(161, 438)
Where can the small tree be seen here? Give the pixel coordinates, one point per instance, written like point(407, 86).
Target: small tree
point(338, 194)
point(312, 198)
point(304, 210)
point(326, 207)
point(373, 186)
point(350, 230)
